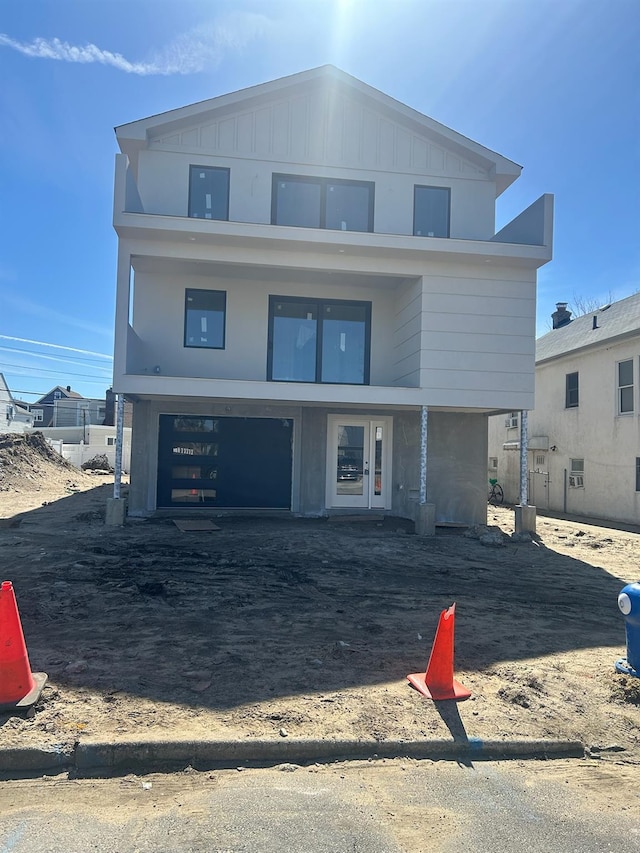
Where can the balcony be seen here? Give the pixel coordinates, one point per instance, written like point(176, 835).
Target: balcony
point(527, 239)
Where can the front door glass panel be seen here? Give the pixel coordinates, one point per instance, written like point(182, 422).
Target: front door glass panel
point(351, 460)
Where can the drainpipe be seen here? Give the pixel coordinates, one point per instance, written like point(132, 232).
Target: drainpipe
point(119, 438)
point(423, 455)
point(524, 499)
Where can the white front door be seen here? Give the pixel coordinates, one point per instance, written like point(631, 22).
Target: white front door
point(359, 462)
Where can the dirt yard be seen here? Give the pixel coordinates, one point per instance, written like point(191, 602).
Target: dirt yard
point(308, 628)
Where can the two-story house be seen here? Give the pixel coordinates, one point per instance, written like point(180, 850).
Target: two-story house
point(584, 434)
point(314, 312)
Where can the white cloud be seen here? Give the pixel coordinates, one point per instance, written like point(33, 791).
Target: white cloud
point(196, 50)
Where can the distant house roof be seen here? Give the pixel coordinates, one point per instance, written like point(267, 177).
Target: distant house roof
point(65, 392)
point(617, 320)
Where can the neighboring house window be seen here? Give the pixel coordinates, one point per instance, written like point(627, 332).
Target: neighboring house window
point(38, 415)
point(571, 391)
point(431, 206)
point(57, 395)
point(576, 474)
point(110, 440)
point(512, 421)
point(637, 473)
point(540, 458)
point(319, 340)
point(625, 386)
point(322, 203)
point(204, 318)
point(493, 462)
point(11, 412)
point(208, 192)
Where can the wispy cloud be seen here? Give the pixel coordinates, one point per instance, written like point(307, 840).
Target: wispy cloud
point(195, 50)
point(60, 318)
point(55, 346)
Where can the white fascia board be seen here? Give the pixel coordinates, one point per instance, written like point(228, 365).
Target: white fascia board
point(345, 246)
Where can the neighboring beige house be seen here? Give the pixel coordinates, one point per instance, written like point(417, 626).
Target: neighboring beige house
point(13, 416)
point(81, 443)
point(584, 433)
point(313, 306)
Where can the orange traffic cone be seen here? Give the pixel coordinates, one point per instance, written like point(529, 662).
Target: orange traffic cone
point(19, 687)
point(438, 681)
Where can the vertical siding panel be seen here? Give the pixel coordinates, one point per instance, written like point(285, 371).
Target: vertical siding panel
point(387, 144)
point(245, 133)
point(369, 139)
point(227, 135)
point(299, 128)
point(403, 149)
point(263, 132)
point(280, 128)
point(317, 129)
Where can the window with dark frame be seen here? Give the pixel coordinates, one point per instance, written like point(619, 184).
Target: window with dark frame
point(208, 192)
point(307, 202)
point(637, 473)
point(204, 318)
point(319, 340)
point(625, 387)
point(431, 211)
point(571, 391)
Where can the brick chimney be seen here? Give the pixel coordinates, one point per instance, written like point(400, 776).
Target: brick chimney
point(561, 316)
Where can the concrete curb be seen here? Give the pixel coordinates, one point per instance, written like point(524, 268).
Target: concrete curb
point(96, 758)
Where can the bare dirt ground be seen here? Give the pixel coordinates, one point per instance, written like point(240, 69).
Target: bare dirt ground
point(308, 628)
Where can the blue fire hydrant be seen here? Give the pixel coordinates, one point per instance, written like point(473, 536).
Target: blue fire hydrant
point(629, 604)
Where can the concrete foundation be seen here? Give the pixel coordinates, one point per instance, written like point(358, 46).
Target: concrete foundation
point(116, 512)
point(525, 520)
point(425, 520)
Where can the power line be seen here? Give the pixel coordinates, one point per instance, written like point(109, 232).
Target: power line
point(34, 371)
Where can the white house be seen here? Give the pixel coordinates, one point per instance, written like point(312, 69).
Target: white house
point(313, 306)
point(13, 416)
point(584, 445)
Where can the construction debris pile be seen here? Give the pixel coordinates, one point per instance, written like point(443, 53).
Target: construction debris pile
point(28, 461)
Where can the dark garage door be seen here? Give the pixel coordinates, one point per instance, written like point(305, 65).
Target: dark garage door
point(224, 462)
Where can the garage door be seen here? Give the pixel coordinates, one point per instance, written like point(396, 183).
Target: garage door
point(224, 462)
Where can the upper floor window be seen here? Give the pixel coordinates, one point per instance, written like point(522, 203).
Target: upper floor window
point(204, 318)
point(208, 192)
point(571, 391)
point(431, 207)
point(319, 340)
point(625, 386)
point(322, 203)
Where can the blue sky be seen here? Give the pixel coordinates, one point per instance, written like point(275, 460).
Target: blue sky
point(551, 84)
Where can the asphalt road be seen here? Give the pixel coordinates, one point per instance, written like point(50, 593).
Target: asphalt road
point(365, 807)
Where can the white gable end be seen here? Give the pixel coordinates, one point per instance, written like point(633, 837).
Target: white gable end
point(325, 128)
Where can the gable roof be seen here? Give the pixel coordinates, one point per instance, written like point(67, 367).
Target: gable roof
point(134, 136)
point(64, 393)
point(617, 320)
